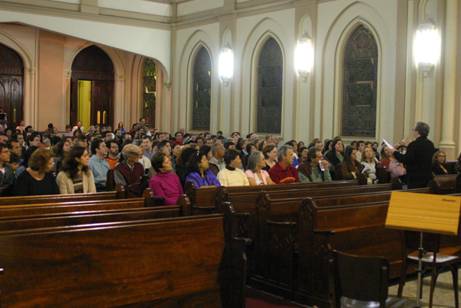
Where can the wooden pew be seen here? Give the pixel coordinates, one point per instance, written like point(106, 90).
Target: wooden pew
point(203, 200)
point(87, 217)
point(353, 228)
point(119, 193)
point(17, 211)
point(272, 261)
point(176, 262)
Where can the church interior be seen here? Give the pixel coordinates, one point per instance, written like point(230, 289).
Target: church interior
point(275, 140)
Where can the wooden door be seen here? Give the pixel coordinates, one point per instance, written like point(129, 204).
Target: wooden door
point(101, 101)
point(11, 84)
point(94, 64)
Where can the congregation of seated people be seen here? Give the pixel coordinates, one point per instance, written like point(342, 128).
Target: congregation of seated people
point(79, 161)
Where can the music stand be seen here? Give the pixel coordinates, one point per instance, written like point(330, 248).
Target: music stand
point(423, 213)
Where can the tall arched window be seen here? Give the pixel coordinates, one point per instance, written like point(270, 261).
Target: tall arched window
point(359, 90)
point(201, 90)
point(270, 81)
point(149, 91)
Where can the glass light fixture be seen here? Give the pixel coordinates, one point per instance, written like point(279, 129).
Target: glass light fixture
point(226, 65)
point(427, 46)
point(304, 57)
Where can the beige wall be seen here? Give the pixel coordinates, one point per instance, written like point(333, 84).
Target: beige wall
point(48, 60)
point(50, 78)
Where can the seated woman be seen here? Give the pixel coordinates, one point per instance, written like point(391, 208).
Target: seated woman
point(255, 173)
point(350, 168)
point(75, 176)
point(165, 183)
point(38, 178)
point(270, 156)
point(199, 173)
point(315, 169)
point(439, 163)
point(369, 165)
point(232, 175)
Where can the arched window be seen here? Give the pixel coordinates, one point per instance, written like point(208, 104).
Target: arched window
point(201, 90)
point(149, 91)
point(270, 80)
point(359, 90)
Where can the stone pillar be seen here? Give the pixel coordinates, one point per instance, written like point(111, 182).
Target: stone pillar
point(447, 143)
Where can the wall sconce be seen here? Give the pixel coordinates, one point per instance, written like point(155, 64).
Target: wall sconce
point(427, 45)
point(226, 65)
point(304, 57)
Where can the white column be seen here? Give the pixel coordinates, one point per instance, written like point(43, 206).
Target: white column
point(449, 89)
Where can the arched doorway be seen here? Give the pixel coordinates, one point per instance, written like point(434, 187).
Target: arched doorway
point(11, 84)
point(92, 88)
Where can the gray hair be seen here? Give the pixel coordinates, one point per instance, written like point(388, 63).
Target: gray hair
point(215, 147)
point(422, 129)
point(283, 151)
point(253, 160)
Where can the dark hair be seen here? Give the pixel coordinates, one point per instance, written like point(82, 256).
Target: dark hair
point(267, 149)
point(162, 144)
point(157, 161)
point(3, 146)
point(334, 142)
point(248, 147)
point(39, 159)
point(205, 149)
point(193, 165)
point(95, 144)
point(109, 143)
point(230, 156)
point(70, 164)
point(228, 144)
point(185, 156)
point(33, 135)
point(347, 155)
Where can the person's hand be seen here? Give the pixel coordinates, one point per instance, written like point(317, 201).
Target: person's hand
point(325, 164)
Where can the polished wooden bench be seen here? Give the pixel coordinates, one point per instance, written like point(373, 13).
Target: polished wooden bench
point(119, 193)
point(17, 211)
point(174, 262)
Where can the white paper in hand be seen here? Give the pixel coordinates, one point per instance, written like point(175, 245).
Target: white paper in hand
point(390, 146)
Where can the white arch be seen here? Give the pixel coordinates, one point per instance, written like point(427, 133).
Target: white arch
point(29, 96)
point(329, 89)
point(266, 28)
point(122, 111)
point(183, 92)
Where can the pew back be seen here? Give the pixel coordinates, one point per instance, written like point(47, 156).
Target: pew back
point(166, 262)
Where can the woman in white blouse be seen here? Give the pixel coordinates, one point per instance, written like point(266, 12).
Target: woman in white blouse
point(255, 174)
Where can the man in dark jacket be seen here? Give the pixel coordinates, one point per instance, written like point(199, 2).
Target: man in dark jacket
point(418, 159)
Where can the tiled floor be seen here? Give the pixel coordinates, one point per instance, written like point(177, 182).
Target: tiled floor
point(443, 294)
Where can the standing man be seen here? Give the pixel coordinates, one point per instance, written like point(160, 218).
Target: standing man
point(98, 163)
point(418, 158)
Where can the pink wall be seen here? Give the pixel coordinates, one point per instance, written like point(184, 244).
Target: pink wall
point(51, 96)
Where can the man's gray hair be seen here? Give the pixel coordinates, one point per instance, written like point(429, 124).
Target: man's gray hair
point(283, 151)
point(253, 160)
point(422, 129)
point(215, 147)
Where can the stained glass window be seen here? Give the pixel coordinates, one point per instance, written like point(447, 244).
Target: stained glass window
point(201, 91)
point(270, 81)
point(359, 87)
point(149, 91)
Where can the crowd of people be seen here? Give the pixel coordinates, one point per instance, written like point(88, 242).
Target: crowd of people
point(98, 159)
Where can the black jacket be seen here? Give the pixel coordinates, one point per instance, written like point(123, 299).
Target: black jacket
point(418, 162)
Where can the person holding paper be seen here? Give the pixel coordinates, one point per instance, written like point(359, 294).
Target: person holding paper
point(418, 158)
